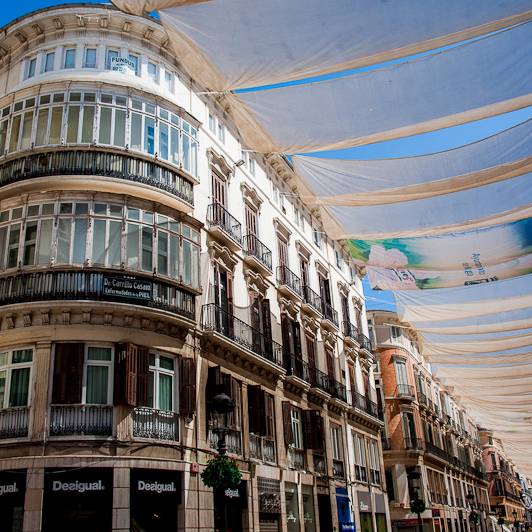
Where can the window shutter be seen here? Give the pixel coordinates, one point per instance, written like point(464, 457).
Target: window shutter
point(257, 410)
point(125, 379)
point(68, 373)
point(297, 339)
point(254, 310)
point(143, 374)
point(269, 416)
point(267, 327)
point(287, 337)
point(236, 396)
point(317, 430)
point(119, 374)
point(308, 438)
point(187, 389)
point(287, 423)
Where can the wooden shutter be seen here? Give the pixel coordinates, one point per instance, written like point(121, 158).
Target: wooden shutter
point(312, 429)
point(187, 388)
point(269, 415)
point(257, 410)
point(68, 373)
point(125, 377)
point(143, 374)
point(230, 324)
point(254, 310)
point(286, 330)
point(296, 329)
point(287, 423)
point(214, 381)
point(267, 327)
point(330, 363)
point(236, 396)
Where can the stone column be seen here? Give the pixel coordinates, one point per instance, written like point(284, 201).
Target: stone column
point(42, 360)
point(33, 500)
point(121, 486)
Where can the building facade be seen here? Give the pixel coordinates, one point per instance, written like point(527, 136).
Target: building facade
point(427, 435)
point(507, 493)
point(147, 260)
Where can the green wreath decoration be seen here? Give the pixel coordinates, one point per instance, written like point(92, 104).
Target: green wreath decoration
point(221, 472)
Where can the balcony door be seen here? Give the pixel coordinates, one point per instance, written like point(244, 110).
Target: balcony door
point(325, 293)
point(345, 313)
point(262, 326)
point(223, 298)
point(409, 429)
point(252, 222)
point(303, 267)
point(219, 190)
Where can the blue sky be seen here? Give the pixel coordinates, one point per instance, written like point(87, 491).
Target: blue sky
point(417, 145)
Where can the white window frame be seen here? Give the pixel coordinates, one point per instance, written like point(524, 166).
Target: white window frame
point(297, 428)
point(212, 123)
point(45, 60)
point(157, 371)
point(9, 367)
point(154, 78)
point(336, 442)
point(101, 363)
point(400, 373)
point(169, 81)
point(395, 332)
point(136, 60)
point(85, 50)
point(65, 54)
point(108, 59)
point(28, 71)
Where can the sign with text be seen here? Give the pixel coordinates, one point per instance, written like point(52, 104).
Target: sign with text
point(122, 287)
point(123, 65)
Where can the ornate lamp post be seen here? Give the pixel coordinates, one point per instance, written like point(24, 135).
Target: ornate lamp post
point(500, 521)
point(417, 505)
point(474, 516)
point(222, 405)
point(516, 522)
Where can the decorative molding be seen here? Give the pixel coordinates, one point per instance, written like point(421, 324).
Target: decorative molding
point(255, 281)
point(10, 321)
point(321, 268)
point(281, 228)
point(27, 319)
point(343, 288)
point(45, 317)
point(288, 307)
point(222, 254)
point(251, 196)
point(303, 250)
point(329, 338)
point(310, 324)
point(218, 163)
point(66, 317)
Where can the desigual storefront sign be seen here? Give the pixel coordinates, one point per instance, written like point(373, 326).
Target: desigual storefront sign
point(78, 499)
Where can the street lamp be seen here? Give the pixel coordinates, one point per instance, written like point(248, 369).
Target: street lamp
point(417, 505)
point(221, 405)
point(516, 522)
point(474, 516)
point(500, 521)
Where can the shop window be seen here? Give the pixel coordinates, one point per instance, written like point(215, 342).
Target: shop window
point(309, 515)
point(15, 372)
point(69, 58)
point(292, 507)
point(49, 62)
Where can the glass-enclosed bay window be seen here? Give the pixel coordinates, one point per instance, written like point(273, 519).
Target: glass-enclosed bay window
point(161, 383)
point(15, 373)
point(98, 372)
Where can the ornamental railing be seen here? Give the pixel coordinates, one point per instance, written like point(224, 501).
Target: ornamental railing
point(155, 424)
point(96, 163)
point(320, 380)
point(350, 330)
point(262, 448)
point(363, 403)
point(296, 367)
point(405, 391)
point(414, 444)
point(365, 342)
point(14, 422)
point(312, 298)
point(287, 277)
point(320, 464)
point(218, 216)
point(233, 441)
point(338, 469)
point(81, 420)
point(329, 313)
point(255, 248)
point(96, 286)
point(216, 319)
point(296, 458)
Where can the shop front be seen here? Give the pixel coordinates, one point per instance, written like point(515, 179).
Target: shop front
point(79, 500)
point(269, 504)
point(154, 499)
point(12, 493)
point(343, 504)
point(365, 511)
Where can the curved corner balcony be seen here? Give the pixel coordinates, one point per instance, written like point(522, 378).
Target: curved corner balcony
point(62, 161)
point(111, 286)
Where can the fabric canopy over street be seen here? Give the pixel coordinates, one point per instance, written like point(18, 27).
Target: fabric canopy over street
point(291, 40)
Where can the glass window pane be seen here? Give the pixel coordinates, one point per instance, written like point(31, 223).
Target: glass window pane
point(18, 388)
point(3, 136)
point(149, 135)
point(166, 363)
point(30, 242)
point(97, 378)
point(49, 62)
point(3, 242)
point(21, 356)
point(194, 265)
point(165, 392)
point(80, 241)
point(15, 129)
point(88, 124)
point(55, 125)
point(25, 140)
point(147, 249)
point(99, 353)
point(98, 242)
point(115, 234)
point(187, 259)
point(90, 58)
point(64, 231)
point(162, 253)
point(72, 123)
point(132, 246)
point(100, 208)
point(109, 57)
point(70, 58)
point(174, 143)
point(12, 251)
point(120, 128)
point(105, 125)
point(135, 60)
point(2, 387)
point(45, 242)
point(174, 257)
point(42, 127)
point(152, 71)
point(136, 131)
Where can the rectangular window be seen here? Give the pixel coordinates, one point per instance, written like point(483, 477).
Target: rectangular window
point(132, 245)
point(169, 81)
point(69, 58)
point(25, 137)
point(163, 140)
point(252, 166)
point(152, 71)
point(30, 67)
point(3, 136)
point(135, 60)
point(56, 125)
point(400, 371)
point(30, 243)
point(73, 123)
point(97, 371)
point(109, 56)
point(88, 124)
point(49, 60)
point(13, 246)
point(90, 58)
point(396, 332)
point(221, 132)
point(45, 242)
point(149, 135)
point(98, 242)
point(212, 123)
point(15, 372)
point(3, 242)
point(120, 128)
point(336, 443)
point(297, 428)
point(161, 384)
point(136, 131)
point(316, 234)
point(15, 130)
point(147, 249)
point(105, 125)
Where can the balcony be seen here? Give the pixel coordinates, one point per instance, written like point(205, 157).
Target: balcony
point(289, 282)
point(155, 424)
point(224, 226)
point(99, 162)
point(296, 367)
point(436, 451)
point(257, 255)
point(422, 398)
point(96, 286)
point(338, 390)
point(413, 444)
point(262, 448)
point(216, 320)
point(320, 380)
point(375, 476)
point(311, 301)
point(330, 316)
point(363, 403)
point(233, 441)
point(14, 422)
point(365, 342)
point(81, 420)
point(350, 332)
point(296, 458)
point(386, 444)
point(405, 391)
point(338, 469)
point(320, 464)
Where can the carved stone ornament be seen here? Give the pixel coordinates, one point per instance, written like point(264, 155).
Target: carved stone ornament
point(329, 338)
point(351, 352)
point(218, 163)
point(321, 268)
point(281, 229)
point(255, 282)
point(310, 324)
point(303, 250)
point(251, 196)
point(222, 255)
point(343, 288)
point(288, 307)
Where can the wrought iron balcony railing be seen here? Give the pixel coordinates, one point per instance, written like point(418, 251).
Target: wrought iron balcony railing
point(296, 458)
point(422, 398)
point(262, 448)
point(312, 298)
point(329, 313)
point(365, 342)
point(405, 391)
point(233, 441)
point(255, 248)
point(320, 464)
point(296, 367)
point(365, 404)
point(14, 422)
point(338, 469)
point(155, 424)
point(218, 216)
point(414, 444)
point(96, 162)
point(320, 380)
point(350, 330)
point(216, 319)
point(339, 391)
point(433, 449)
point(287, 277)
point(95, 285)
point(81, 420)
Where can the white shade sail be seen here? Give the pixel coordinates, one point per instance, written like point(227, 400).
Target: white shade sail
point(252, 42)
point(351, 182)
point(441, 90)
